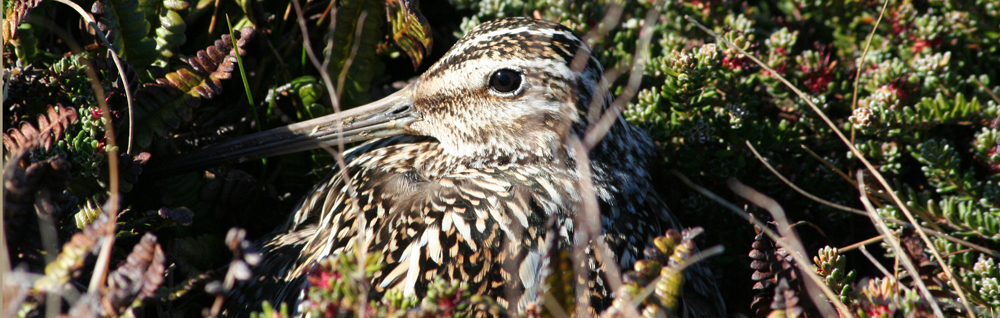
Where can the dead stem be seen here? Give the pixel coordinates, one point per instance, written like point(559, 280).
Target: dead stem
point(307, 45)
point(598, 128)
point(896, 248)
point(47, 226)
point(215, 15)
point(861, 63)
point(590, 219)
point(552, 305)
point(342, 77)
point(4, 260)
point(111, 207)
point(601, 127)
point(800, 190)
point(797, 251)
point(829, 165)
point(988, 91)
point(885, 272)
point(338, 153)
point(860, 244)
point(121, 75)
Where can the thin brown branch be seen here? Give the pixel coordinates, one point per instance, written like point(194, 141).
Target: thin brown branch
point(5, 273)
point(600, 128)
point(584, 235)
point(897, 249)
point(277, 56)
point(987, 89)
point(978, 248)
point(104, 258)
point(952, 239)
point(5, 270)
point(591, 217)
point(320, 66)
point(552, 305)
point(121, 74)
point(861, 244)
point(338, 156)
point(885, 272)
point(215, 15)
point(796, 250)
point(800, 190)
point(217, 306)
point(111, 207)
point(841, 174)
point(46, 226)
point(861, 63)
point(830, 165)
point(811, 196)
point(21, 281)
point(342, 77)
point(333, 93)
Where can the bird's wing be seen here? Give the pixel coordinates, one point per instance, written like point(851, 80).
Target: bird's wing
point(474, 227)
point(327, 208)
point(478, 227)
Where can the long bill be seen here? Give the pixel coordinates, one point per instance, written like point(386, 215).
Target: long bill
point(386, 117)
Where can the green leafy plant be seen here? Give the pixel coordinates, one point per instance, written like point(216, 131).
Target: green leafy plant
point(913, 86)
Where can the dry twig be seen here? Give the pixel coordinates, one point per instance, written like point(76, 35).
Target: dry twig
point(104, 258)
point(896, 248)
point(121, 73)
point(861, 62)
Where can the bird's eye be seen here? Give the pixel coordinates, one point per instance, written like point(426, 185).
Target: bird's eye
point(505, 81)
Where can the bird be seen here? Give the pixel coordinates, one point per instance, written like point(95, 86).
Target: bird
point(469, 173)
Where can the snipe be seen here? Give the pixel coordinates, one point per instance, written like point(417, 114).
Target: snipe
point(469, 167)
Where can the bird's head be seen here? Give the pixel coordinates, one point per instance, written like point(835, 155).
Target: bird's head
point(510, 90)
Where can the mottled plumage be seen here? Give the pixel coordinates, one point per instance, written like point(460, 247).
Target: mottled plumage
point(475, 182)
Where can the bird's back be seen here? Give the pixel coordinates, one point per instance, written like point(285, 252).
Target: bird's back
point(429, 215)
